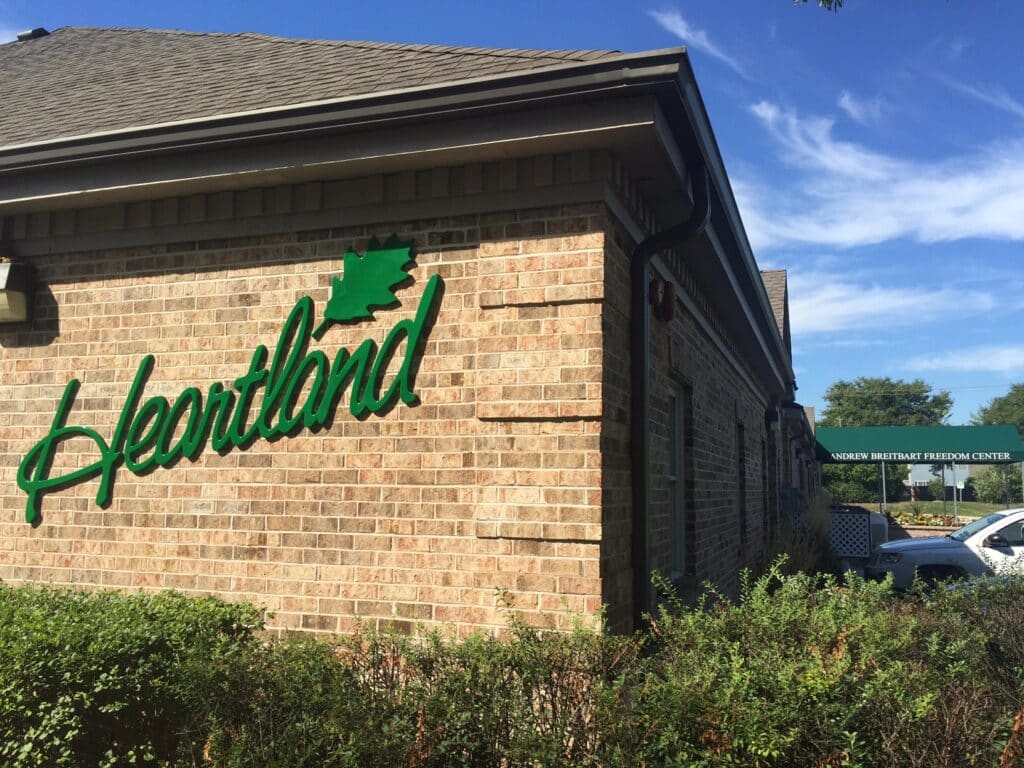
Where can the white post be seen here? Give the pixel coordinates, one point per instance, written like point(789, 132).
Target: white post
point(956, 509)
point(944, 512)
point(885, 501)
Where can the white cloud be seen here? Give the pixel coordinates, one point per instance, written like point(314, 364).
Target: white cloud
point(863, 111)
point(844, 194)
point(697, 39)
point(825, 302)
point(809, 143)
point(858, 343)
point(986, 94)
point(994, 358)
point(957, 47)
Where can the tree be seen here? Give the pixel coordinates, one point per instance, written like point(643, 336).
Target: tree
point(1008, 409)
point(867, 402)
point(878, 402)
point(1001, 483)
point(828, 5)
point(998, 484)
point(861, 483)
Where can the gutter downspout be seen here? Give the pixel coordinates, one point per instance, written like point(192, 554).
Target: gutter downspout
point(640, 371)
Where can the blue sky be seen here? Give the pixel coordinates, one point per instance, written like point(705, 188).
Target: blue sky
point(877, 153)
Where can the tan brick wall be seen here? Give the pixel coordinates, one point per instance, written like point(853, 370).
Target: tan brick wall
point(493, 483)
point(683, 353)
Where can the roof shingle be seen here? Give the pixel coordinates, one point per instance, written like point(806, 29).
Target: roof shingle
point(777, 288)
point(80, 80)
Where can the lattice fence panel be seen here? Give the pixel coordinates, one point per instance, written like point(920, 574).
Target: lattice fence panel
point(850, 534)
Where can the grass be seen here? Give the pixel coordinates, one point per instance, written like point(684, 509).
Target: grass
point(966, 508)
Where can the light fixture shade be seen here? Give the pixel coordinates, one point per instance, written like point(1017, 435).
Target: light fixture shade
point(17, 287)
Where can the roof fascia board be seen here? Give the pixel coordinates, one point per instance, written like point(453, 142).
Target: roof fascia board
point(404, 147)
point(696, 111)
point(741, 297)
point(675, 154)
point(505, 89)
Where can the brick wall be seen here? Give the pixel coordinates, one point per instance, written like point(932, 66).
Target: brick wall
point(488, 491)
point(509, 483)
point(715, 398)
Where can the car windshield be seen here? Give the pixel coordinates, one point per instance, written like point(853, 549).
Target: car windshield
point(972, 528)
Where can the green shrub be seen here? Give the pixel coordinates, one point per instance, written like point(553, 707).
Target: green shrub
point(106, 679)
point(807, 672)
point(804, 671)
point(998, 484)
point(377, 700)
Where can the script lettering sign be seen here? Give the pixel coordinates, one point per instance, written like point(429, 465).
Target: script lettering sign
point(156, 432)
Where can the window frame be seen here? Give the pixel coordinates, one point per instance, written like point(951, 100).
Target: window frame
point(676, 477)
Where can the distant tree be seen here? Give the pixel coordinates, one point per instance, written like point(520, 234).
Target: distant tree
point(998, 484)
point(937, 488)
point(884, 402)
point(862, 483)
point(878, 402)
point(830, 5)
point(1008, 409)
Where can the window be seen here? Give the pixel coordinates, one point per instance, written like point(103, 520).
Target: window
point(677, 480)
point(766, 533)
point(741, 485)
point(1014, 534)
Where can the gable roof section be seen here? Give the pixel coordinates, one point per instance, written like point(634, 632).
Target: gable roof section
point(777, 286)
point(81, 80)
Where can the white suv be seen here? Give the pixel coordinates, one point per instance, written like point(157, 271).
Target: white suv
point(992, 544)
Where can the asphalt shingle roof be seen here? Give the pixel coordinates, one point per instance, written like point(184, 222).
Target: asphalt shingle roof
point(776, 287)
point(81, 80)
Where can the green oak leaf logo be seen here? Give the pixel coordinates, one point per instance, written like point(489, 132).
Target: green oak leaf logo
point(367, 282)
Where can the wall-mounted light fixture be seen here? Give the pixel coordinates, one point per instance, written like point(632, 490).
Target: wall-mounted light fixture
point(17, 287)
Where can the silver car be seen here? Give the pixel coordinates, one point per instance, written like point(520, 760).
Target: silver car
point(991, 544)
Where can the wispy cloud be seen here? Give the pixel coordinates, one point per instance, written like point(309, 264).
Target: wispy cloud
point(863, 111)
point(992, 95)
point(826, 302)
point(856, 343)
point(844, 194)
point(809, 143)
point(697, 39)
point(7, 34)
point(957, 47)
point(994, 358)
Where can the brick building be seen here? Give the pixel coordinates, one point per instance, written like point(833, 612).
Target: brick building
point(190, 206)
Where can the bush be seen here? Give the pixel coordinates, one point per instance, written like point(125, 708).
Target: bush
point(105, 679)
point(999, 484)
point(807, 672)
point(801, 542)
point(802, 672)
point(379, 700)
point(861, 483)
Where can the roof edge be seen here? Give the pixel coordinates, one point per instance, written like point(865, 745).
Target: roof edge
point(240, 124)
point(708, 143)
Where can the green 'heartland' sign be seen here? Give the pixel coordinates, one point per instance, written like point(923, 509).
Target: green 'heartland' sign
point(151, 435)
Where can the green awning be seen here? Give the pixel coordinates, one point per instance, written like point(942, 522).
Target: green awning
point(998, 444)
